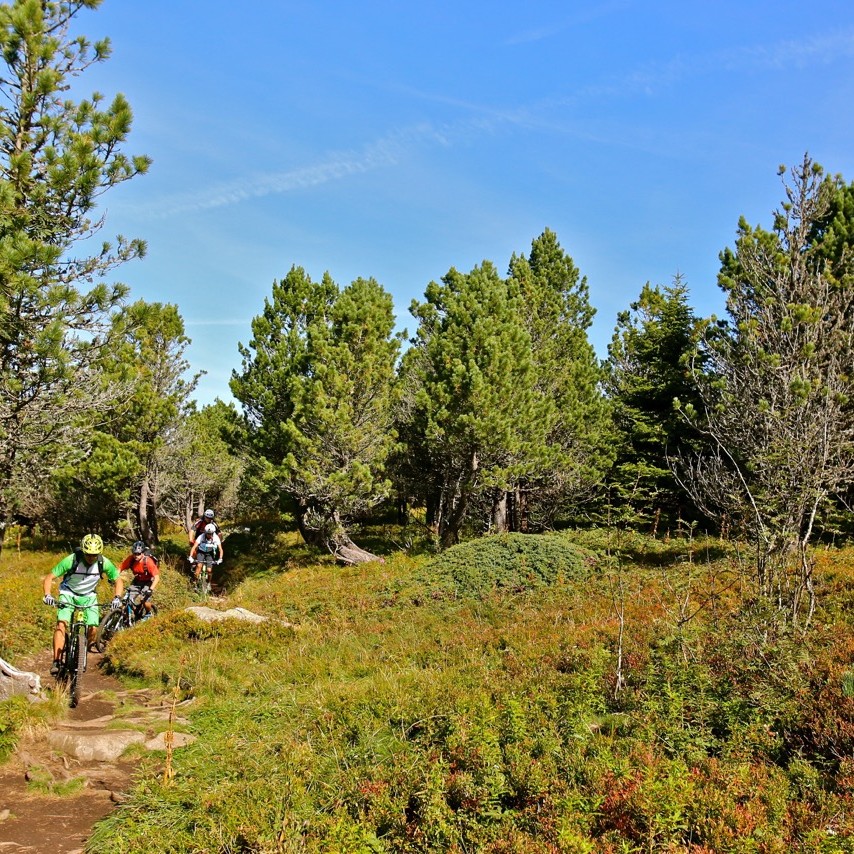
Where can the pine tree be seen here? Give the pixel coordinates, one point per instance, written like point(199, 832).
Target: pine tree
point(475, 413)
point(57, 157)
point(567, 377)
point(317, 387)
point(647, 371)
point(113, 471)
point(776, 389)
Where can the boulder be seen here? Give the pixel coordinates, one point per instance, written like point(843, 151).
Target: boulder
point(14, 681)
point(210, 615)
point(179, 739)
point(102, 746)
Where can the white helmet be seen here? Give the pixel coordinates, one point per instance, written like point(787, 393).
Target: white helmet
point(210, 529)
point(209, 514)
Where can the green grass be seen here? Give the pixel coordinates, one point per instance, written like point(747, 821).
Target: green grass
point(470, 703)
point(41, 781)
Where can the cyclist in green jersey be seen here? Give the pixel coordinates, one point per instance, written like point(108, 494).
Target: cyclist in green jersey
point(79, 573)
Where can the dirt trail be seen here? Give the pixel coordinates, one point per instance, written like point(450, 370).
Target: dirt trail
point(39, 823)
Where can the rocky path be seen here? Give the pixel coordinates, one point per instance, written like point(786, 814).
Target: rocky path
point(81, 755)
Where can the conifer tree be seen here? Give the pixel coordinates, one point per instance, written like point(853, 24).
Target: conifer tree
point(57, 157)
point(317, 387)
point(475, 413)
point(776, 389)
point(201, 463)
point(113, 471)
point(567, 377)
point(647, 371)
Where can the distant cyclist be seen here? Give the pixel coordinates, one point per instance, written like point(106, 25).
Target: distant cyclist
point(146, 574)
point(206, 549)
point(199, 526)
point(80, 573)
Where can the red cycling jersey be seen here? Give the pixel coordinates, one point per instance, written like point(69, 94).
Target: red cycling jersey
point(144, 568)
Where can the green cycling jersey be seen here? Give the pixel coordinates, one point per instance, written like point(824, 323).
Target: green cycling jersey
point(83, 579)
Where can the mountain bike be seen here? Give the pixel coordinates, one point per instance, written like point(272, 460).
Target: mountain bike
point(203, 582)
point(130, 613)
point(72, 659)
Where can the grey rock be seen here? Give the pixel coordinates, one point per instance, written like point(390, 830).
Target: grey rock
point(14, 681)
point(210, 615)
point(179, 739)
point(105, 746)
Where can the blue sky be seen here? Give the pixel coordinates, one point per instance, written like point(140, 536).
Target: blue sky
point(397, 140)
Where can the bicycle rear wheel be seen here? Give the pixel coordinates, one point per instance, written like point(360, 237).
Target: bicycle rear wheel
point(110, 624)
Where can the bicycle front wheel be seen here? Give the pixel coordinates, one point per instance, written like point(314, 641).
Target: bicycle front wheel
point(78, 664)
point(110, 624)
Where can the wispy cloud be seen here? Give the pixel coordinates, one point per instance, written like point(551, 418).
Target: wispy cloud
point(822, 49)
point(653, 77)
point(386, 151)
point(547, 31)
point(479, 119)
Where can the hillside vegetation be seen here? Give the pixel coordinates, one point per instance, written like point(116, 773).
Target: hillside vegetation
point(624, 699)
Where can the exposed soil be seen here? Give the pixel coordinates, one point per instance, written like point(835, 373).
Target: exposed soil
point(31, 821)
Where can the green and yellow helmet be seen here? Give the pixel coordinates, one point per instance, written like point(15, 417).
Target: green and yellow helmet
point(92, 544)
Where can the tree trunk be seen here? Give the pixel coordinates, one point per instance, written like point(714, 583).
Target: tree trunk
point(522, 510)
point(454, 505)
point(142, 511)
point(500, 516)
point(188, 513)
point(432, 513)
point(402, 511)
point(328, 533)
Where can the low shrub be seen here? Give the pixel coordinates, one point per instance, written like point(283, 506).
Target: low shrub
point(509, 562)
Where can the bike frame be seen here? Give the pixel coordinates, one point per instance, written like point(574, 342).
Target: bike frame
point(75, 652)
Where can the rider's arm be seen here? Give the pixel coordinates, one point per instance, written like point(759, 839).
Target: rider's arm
point(219, 543)
point(47, 583)
point(155, 577)
point(193, 533)
point(57, 572)
point(195, 548)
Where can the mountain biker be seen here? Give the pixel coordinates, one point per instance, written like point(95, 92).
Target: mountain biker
point(146, 574)
point(208, 545)
point(198, 527)
point(80, 572)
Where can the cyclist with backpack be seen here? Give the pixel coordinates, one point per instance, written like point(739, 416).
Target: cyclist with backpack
point(206, 549)
point(198, 527)
point(146, 574)
point(80, 573)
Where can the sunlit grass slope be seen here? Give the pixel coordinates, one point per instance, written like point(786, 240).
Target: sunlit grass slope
point(623, 701)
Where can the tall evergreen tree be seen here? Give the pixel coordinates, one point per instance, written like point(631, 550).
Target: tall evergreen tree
point(201, 464)
point(113, 471)
point(647, 371)
point(475, 414)
point(317, 387)
point(567, 375)
point(57, 157)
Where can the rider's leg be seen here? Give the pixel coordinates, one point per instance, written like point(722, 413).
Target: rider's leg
point(58, 639)
point(93, 617)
